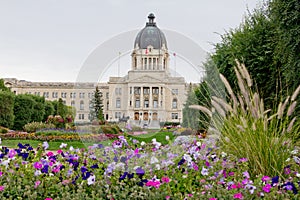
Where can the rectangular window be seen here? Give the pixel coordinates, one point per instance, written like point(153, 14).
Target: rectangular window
point(63, 95)
point(81, 116)
point(118, 103)
point(81, 95)
point(117, 115)
point(107, 95)
point(137, 90)
point(146, 90)
point(155, 91)
point(155, 104)
point(146, 103)
point(174, 115)
point(137, 103)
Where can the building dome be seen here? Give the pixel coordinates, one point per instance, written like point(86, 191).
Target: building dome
point(150, 35)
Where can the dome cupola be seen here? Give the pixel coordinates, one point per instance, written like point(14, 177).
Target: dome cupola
point(150, 35)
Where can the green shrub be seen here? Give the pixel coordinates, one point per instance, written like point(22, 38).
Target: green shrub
point(34, 126)
point(109, 129)
point(3, 130)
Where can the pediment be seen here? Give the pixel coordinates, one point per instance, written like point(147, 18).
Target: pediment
point(147, 79)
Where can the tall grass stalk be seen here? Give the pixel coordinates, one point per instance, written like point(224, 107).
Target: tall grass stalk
point(247, 130)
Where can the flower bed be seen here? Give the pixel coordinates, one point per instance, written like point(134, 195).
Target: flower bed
point(133, 170)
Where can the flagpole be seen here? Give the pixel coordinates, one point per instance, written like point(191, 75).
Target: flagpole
point(175, 62)
point(119, 64)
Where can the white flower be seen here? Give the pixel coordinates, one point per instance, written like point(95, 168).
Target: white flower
point(143, 143)
point(91, 180)
point(63, 145)
point(204, 171)
point(157, 166)
point(187, 157)
point(292, 152)
point(287, 160)
point(198, 144)
point(167, 137)
point(184, 176)
point(45, 145)
point(154, 140)
point(223, 154)
point(37, 173)
point(298, 175)
point(71, 148)
point(0, 141)
point(153, 160)
point(6, 162)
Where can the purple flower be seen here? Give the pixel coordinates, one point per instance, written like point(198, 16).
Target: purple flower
point(246, 174)
point(181, 162)
point(45, 169)
point(290, 186)
point(139, 171)
point(122, 177)
point(275, 180)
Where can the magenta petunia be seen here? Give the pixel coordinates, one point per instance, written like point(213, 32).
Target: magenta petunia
point(238, 196)
point(267, 188)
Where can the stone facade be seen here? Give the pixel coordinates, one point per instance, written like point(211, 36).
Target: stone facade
point(148, 94)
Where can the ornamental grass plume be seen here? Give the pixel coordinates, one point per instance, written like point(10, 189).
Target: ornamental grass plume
point(249, 131)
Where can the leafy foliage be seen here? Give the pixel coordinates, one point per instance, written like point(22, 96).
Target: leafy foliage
point(6, 109)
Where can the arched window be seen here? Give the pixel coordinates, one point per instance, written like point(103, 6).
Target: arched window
point(174, 103)
point(73, 103)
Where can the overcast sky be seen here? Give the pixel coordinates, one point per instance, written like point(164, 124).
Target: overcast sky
point(49, 40)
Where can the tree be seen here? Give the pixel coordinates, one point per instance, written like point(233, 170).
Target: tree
point(61, 108)
point(49, 109)
point(7, 109)
point(96, 106)
point(3, 87)
point(38, 111)
point(23, 110)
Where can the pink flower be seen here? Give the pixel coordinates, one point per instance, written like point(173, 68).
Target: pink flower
point(230, 173)
point(48, 198)
point(59, 151)
point(267, 188)
point(165, 179)
point(168, 197)
point(265, 178)
point(190, 195)
point(50, 153)
point(155, 184)
point(243, 159)
point(213, 199)
point(37, 183)
point(38, 165)
point(1, 173)
point(12, 153)
point(238, 196)
point(1, 187)
point(136, 151)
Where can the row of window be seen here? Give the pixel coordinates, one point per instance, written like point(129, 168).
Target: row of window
point(118, 115)
point(146, 103)
point(146, 90)
point(64, 94)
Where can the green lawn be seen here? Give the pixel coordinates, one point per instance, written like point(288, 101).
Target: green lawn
point(52, 144)
point(159, 136)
